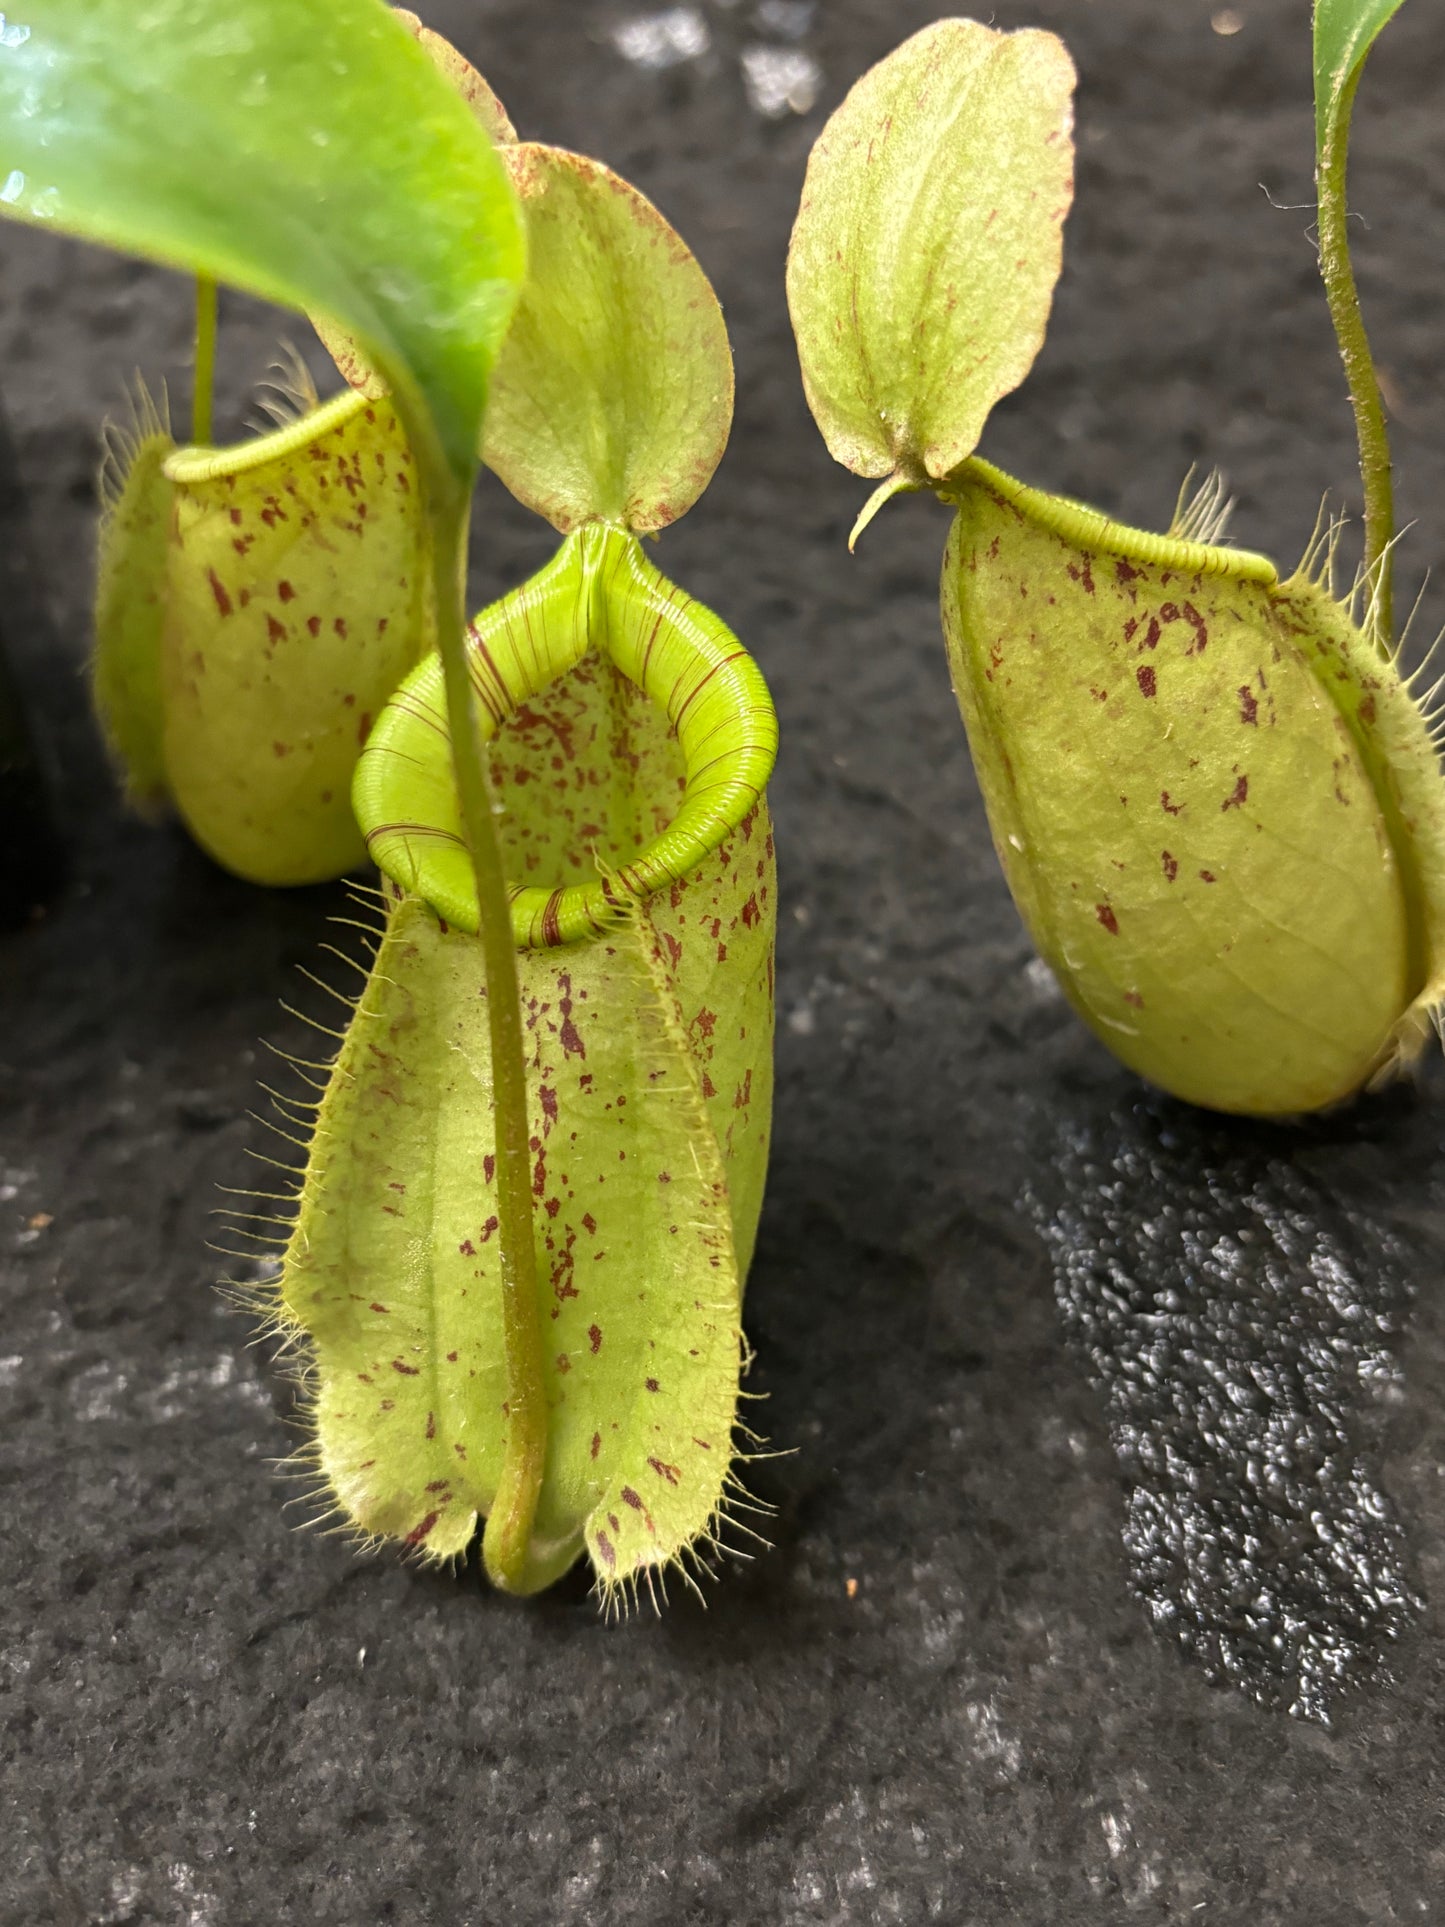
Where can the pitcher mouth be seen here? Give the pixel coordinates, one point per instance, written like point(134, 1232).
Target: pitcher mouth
point(191, 466)
point(1086, 528)
point(599, 593)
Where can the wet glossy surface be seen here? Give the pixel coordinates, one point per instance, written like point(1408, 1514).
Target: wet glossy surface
point(1240, 1322)
point(941, 1696)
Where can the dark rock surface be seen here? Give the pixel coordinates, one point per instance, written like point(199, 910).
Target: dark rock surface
point(972, 1682)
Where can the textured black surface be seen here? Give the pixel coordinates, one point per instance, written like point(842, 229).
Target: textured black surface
point(941, 1696)
point(1237, 1319)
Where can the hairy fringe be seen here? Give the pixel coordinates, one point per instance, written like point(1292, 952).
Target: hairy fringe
point(122, 441)
point(248, 1215)
point(1318, 563)
point(1204, 516)
point(700, 1561)
point(287, 395)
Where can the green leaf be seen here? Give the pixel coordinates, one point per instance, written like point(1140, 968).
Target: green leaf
point(613, 394)
point(463, 77)
point(928, 242)
point(307, 150)
point(1345, 31)
point(490, 113)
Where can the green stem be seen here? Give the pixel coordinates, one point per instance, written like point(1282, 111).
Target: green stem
point(507, 1540)
point(203, 388)
point(1344, 300)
